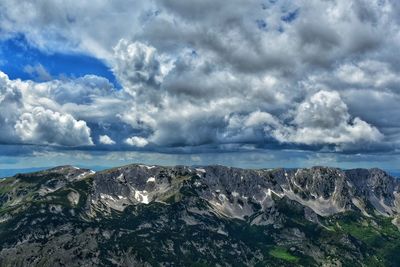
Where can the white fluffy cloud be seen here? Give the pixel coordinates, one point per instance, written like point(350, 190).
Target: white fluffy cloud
point(106, 140)
point(136, 141)
point(43, 126)
point(324, 119)
point(28, 116)
point(324, 109)
point(10, 105)
point(138, 66)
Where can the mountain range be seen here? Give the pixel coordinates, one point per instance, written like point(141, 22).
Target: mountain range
point(141, 215)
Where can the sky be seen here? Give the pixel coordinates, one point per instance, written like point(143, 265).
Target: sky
point(256, 84)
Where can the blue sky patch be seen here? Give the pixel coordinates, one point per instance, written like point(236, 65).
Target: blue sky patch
point(290, 16)
point(18, 59)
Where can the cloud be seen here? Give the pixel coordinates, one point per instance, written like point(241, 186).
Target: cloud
point(324, 119)
point(38, 71)
point(41, 126)
point(249, 128)
point(195, 73)
point(139, 67)
point(136, 141)
point(82, 90)
point(324, 109)
point(366, 74)
point(10, 105)
point(25, 119)
point(72, 26)
point(106, 140)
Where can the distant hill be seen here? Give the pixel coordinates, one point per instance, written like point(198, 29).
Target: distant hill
point(10, 172)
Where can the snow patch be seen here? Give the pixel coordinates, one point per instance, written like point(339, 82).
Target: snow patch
point(297, 185)
point(121, 177)
point(151, 180)
point(83, 175)
point(270, 191)
point(105, 196)
point(235, 194)
point(147, 167)
point(197, 184)
point(142, 196)
point(221, 232)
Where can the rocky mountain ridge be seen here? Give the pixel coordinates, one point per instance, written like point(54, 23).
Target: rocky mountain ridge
point(325, 190)
point(177, 216)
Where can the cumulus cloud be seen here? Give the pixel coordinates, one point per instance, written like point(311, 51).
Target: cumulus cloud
point(138, 65)
point(196, 73)
point(249, 128)
point(43, 126)
point(25, 119)
point(324, 119)
point(322, 110)
point(10, 105)
point(136, 141)
point(106, 140)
